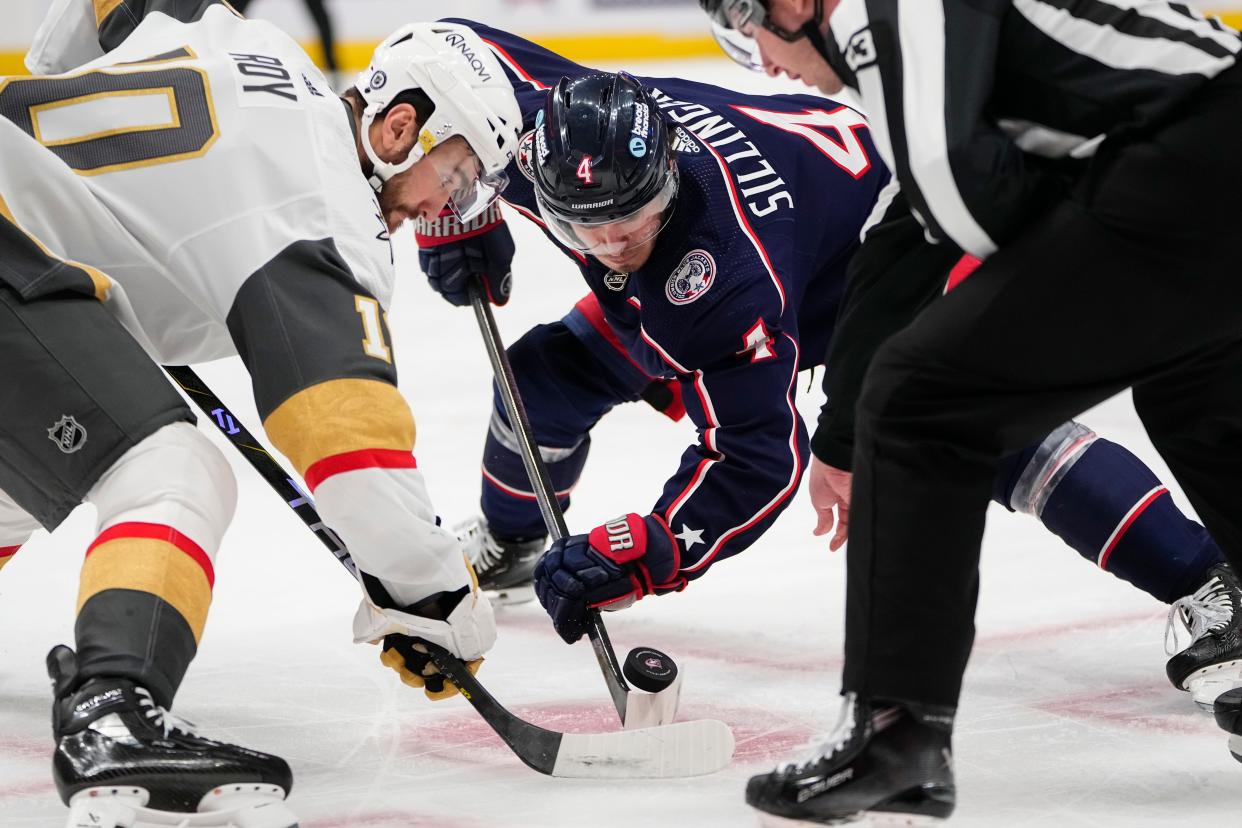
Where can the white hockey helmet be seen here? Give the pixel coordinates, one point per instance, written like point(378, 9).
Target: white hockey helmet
point(473, 99)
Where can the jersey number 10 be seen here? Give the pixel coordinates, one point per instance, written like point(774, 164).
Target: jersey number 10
point(102, 121)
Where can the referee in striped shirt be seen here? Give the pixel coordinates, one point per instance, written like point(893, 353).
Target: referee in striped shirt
point(1085, 150)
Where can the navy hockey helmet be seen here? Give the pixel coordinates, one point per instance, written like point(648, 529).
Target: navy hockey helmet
point(605, 175)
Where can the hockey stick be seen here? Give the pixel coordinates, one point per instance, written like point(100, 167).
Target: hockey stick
point(676, 750)
point(635, 709)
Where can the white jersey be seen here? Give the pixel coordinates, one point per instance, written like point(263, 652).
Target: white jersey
point(182, 162)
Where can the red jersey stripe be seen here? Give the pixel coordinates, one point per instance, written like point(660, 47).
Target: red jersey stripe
point(354, 460)
point(158, 531)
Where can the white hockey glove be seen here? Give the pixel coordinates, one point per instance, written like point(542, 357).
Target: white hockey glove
point(468, 631)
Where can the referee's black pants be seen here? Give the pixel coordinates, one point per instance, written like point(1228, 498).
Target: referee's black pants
point(1135, 281)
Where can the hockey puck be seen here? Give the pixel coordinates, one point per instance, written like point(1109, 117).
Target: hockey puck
point(649, 669)
point(1228, 710)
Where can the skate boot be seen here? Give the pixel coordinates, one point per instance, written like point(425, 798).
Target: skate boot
point(889, 765)
point(505, 566)
point(121, 761)
point(1212, 662)
point(1228, 711)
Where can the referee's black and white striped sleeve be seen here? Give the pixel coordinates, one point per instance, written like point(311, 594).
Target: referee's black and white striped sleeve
point(1134, 35)
point(967, 181)
point(927, 76)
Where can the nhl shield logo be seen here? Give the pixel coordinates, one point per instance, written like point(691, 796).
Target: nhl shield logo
point(68, 434)
point(692, 278)
point(615, 281)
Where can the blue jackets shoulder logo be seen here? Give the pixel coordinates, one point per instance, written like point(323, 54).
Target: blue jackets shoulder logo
point(525, 152)
point(692, 278)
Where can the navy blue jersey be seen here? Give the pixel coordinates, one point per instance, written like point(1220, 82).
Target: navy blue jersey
point(732, 280)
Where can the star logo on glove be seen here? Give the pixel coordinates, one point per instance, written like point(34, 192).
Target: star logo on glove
point(689, 537)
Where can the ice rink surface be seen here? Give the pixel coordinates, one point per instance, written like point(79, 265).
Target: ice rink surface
point(1067, 719)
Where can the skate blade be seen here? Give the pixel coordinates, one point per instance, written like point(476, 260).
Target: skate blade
point(1206, 684)
point(511, 596)
point(1235, 747)
point(860, 820)
point(231, 806)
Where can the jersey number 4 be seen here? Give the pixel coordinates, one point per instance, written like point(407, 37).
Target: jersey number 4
point(846, 150)
point(103, 121)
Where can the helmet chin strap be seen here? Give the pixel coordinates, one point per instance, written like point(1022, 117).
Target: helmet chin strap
point(811, 29)
point(381, 170)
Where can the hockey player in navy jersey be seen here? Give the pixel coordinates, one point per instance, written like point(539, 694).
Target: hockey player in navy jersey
point(695, 305)
point(681, 202)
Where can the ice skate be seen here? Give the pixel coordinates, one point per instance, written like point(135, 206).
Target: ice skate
point(121, 761)
point(1212, 663)
point(504, 566)
point(883, 766)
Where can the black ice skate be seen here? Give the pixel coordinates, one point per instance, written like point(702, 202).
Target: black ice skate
point(123, 761)
point(1212, 663)
point(505, 566)
point(890, 765)
point(1228, 711)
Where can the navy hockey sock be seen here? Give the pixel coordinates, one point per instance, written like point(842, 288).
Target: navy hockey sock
point(508, 501)
point(1104, 502)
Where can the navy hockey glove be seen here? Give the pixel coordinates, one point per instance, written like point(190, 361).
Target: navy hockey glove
point(452, 253)
point(613, 566)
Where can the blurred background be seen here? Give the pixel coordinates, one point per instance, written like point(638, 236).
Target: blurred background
point(584, 30)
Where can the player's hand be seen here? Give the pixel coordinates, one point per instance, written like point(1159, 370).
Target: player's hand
point(830, 487)
point(460, 621)
point(412, 661)
point(452, 254)
point(611, 568)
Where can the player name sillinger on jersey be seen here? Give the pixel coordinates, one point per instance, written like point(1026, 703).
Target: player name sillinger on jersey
point(716, 131)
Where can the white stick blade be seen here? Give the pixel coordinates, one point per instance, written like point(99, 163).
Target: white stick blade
point(676, 750)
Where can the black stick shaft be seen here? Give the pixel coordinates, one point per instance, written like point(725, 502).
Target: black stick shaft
point(545, 495)
point(534, 745)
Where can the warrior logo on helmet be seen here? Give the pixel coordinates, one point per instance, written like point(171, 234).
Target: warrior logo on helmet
point(692, 278)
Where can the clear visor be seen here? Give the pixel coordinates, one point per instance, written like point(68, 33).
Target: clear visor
point(469, 190)
point(742, 49)
point(609, 239)
point(733, 25)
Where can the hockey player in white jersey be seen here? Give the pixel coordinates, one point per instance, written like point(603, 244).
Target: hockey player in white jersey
point(190, 172)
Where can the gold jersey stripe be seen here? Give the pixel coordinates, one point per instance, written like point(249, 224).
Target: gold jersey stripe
point(101, 282)
point(103, 8)
point(340, 416)
point(152, 566)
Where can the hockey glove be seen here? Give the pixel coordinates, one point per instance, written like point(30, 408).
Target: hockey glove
point(414, 665)
point(611, 568)
point(452, 253)
point(468, 630)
